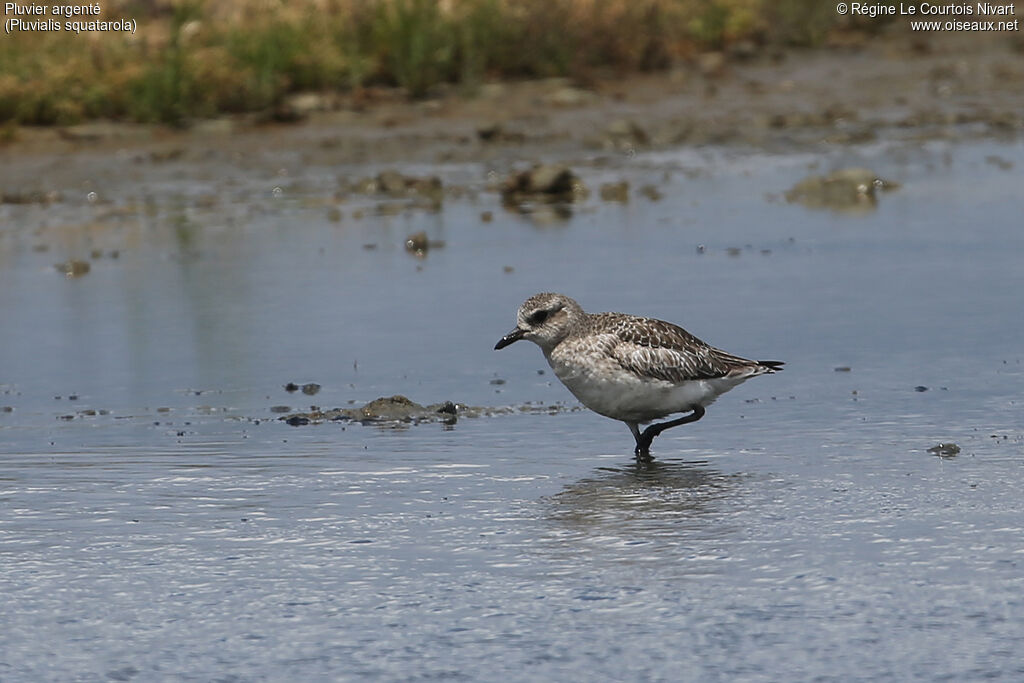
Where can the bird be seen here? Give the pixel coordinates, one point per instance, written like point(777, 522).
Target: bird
point(630, 368)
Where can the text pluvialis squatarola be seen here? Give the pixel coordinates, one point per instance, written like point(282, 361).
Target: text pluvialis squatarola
point(629, 368)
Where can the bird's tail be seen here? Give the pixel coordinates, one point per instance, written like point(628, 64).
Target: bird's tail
point(771, 365)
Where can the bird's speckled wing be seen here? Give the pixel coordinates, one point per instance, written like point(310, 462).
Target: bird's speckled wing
point(661, 350)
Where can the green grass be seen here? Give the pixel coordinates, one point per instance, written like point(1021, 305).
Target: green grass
point(200, 58)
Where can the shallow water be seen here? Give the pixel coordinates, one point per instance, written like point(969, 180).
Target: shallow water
point(158, 522)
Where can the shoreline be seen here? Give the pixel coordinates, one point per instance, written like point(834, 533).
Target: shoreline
point(950, 87)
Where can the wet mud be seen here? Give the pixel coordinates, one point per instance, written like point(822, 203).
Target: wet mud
point(846, 190)
point(398, 411)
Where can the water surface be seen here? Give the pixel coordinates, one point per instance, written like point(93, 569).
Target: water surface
point(158, 522)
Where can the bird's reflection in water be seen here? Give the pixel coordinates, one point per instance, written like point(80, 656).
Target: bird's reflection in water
point(656, 510)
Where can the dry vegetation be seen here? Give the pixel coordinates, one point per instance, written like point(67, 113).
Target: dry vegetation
point(200, 58)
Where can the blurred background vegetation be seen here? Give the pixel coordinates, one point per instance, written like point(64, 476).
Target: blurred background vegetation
point(200, 58)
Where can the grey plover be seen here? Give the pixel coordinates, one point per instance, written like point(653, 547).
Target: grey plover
point(629, 368)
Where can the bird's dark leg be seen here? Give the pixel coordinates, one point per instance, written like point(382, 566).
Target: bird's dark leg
point(644, 439)
point(642, 452)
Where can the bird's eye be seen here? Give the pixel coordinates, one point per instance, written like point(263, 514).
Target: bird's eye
point(538, 318)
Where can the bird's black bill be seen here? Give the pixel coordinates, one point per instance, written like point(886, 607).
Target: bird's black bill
point(513, 336)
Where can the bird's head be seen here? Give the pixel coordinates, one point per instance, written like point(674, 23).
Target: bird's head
point(545, 319)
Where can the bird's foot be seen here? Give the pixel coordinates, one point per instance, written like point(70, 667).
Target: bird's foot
point(643, 450)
